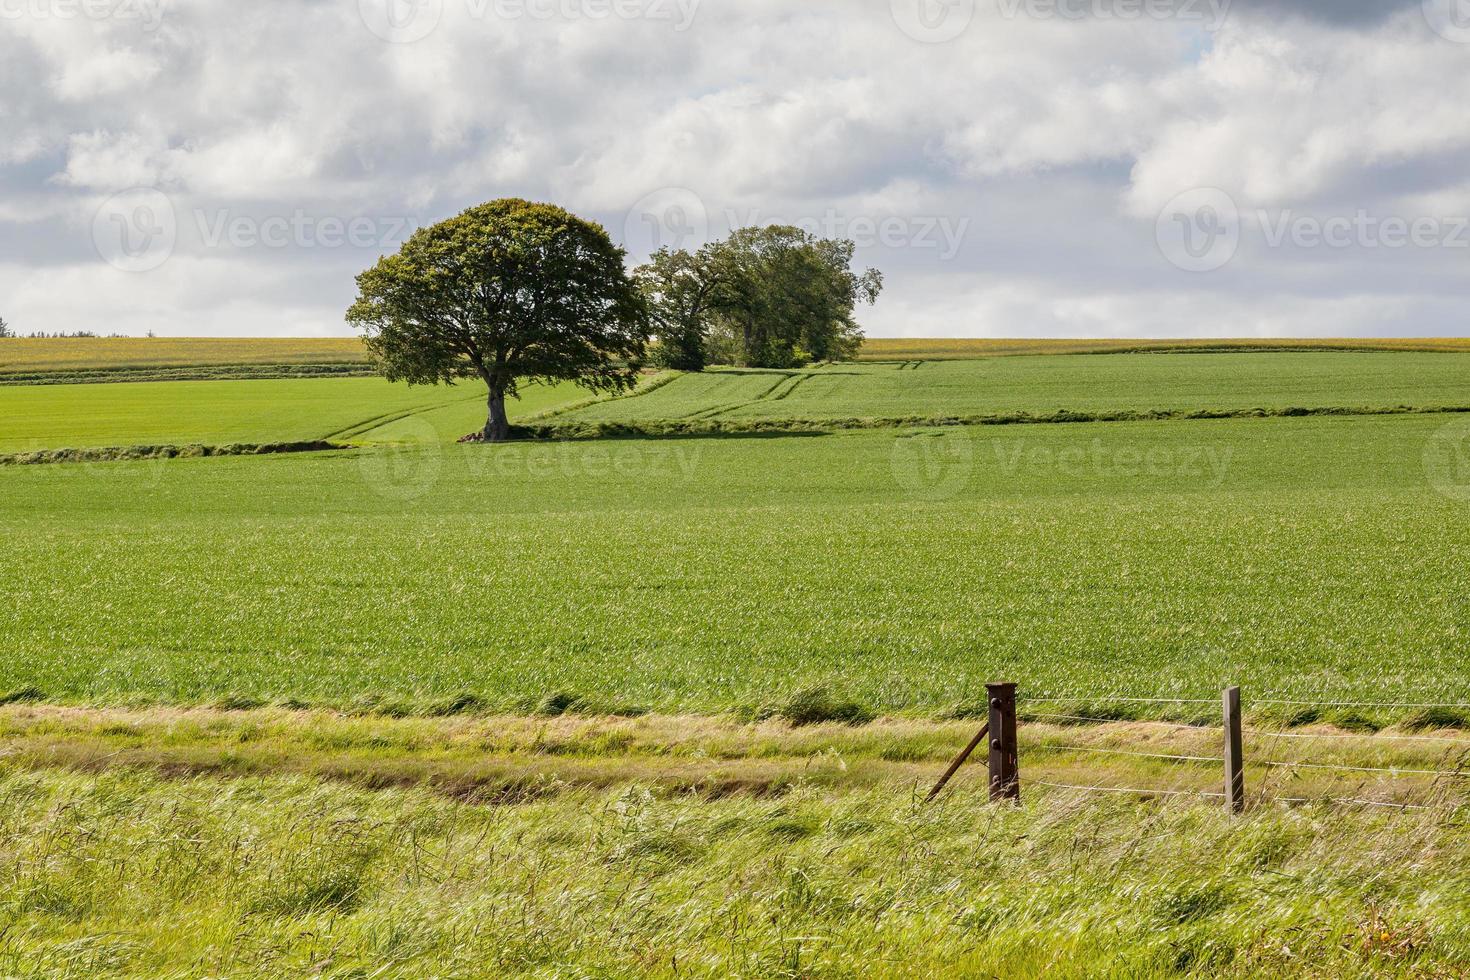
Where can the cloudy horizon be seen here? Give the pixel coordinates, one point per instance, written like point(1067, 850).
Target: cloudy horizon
point(1017, 168)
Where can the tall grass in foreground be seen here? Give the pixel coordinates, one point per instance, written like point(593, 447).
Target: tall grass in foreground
point(133, 875)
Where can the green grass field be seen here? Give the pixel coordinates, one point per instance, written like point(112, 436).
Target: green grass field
point(416, 708)
point(80, 416)
point(1047, 384)
point(1308, 556)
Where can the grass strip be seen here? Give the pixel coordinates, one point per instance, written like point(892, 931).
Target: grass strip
point(716, 427)
point(107, 454)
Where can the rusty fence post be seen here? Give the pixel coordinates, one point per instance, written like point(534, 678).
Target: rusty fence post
point(1234, 753)
point(1005, 775)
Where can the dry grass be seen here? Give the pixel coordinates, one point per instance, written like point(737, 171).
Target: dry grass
point(882, 349)
point(270, 843)
point(511, 756)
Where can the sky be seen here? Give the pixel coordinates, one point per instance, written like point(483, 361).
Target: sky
point(1016, 168)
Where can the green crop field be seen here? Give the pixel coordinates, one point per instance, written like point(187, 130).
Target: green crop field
point(1047, 384)
point(1300, 555)
point(79, 416)
point(669, 705)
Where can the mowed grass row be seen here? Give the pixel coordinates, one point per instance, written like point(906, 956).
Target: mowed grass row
point(1049, 384)
point(1308, 557)
point(82, 416)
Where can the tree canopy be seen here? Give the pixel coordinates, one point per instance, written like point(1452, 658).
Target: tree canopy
point(510, 292)
point(765, 297)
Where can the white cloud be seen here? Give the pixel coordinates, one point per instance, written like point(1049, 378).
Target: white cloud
point(1052, 143)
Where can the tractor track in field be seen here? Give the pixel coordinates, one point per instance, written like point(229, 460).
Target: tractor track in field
point(367, 425)
point(774, 393)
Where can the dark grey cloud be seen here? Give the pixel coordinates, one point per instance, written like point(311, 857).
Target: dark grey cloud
point(1356, 13)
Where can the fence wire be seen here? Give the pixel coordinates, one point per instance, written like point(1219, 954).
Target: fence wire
point(1136, 791)
point(1369, 736)
point(1392, 771)
point(1128, 789)
point(1129, 752)
point(1121, 721)
point(1388, 771)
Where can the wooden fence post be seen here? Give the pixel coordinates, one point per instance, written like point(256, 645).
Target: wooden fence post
point(1005, 775)
point(1234, 753)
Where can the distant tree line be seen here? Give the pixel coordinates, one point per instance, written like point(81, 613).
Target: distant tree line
point(773, 297)
point(5, 332)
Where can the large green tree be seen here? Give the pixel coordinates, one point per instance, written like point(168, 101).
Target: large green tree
point(510, 292)
point(773, 297)
point(681, 289)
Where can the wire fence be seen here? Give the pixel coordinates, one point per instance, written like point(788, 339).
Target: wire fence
point(1073, 710)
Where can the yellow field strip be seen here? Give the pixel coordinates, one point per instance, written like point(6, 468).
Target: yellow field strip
point(76, 354)
point(26, 354)
point(911, 349)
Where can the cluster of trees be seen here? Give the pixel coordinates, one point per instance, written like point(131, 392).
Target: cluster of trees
point(514, 292)
point(5, 329)
point(764, 297)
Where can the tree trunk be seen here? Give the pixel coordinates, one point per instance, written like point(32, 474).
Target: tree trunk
point(497, 426)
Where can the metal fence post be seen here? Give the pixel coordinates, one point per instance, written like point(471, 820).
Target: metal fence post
point(1005, 775)
point(1234, 753)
